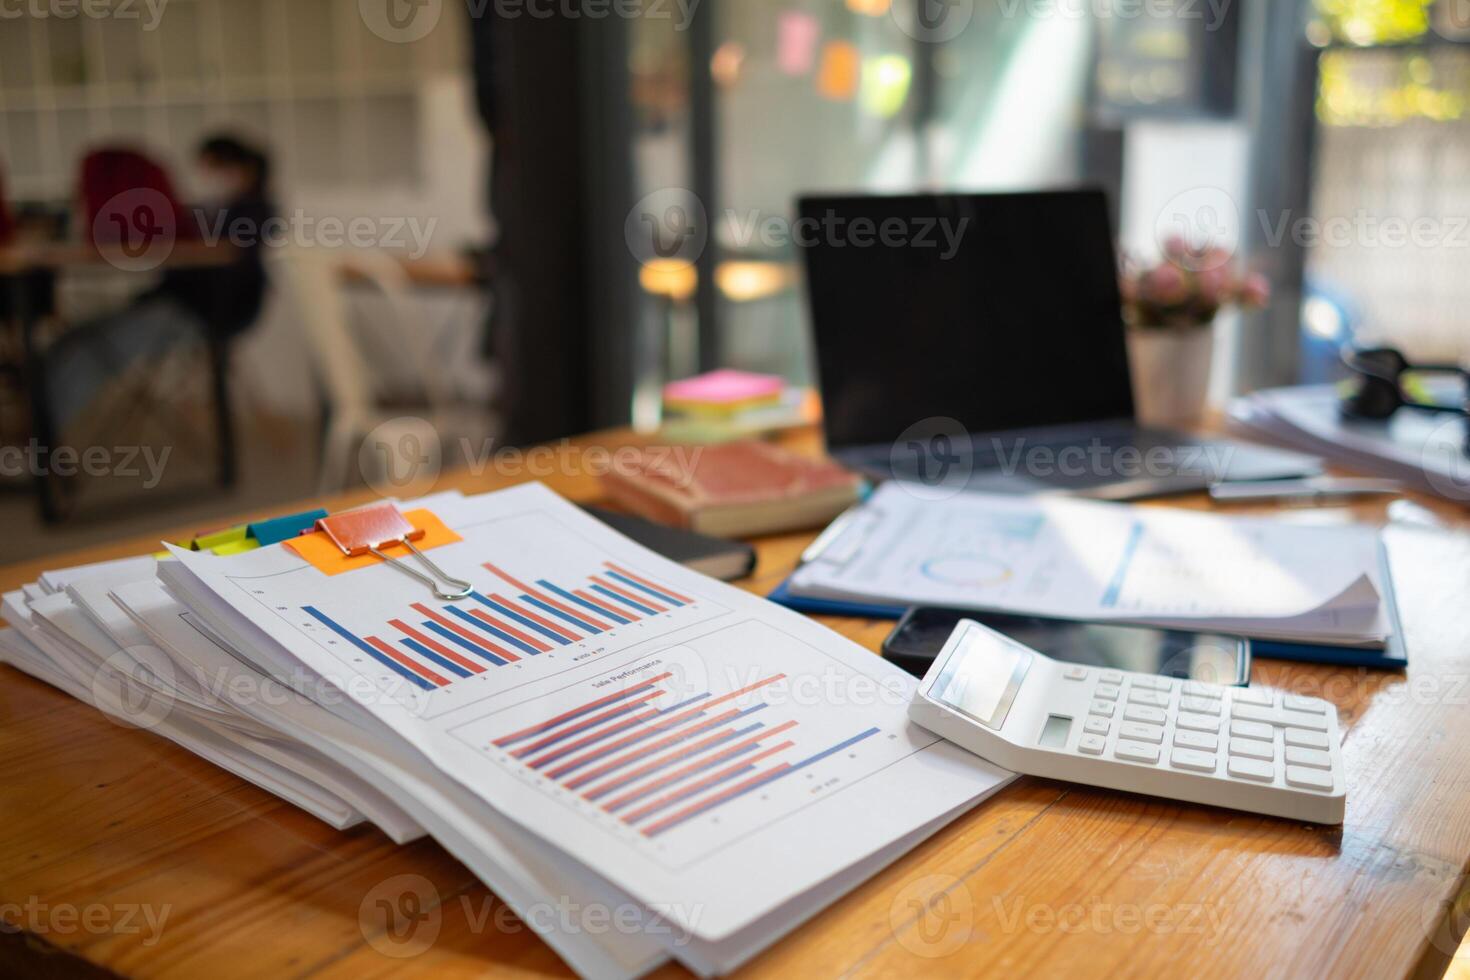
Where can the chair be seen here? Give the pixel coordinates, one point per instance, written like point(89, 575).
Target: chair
point(12, 386)
point(129, 368)
point(7, 218)
point(110, 172)
point(313, 282)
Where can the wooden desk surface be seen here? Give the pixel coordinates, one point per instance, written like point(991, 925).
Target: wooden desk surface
point(1044, 879)
point(33, 256)
point(447, 269)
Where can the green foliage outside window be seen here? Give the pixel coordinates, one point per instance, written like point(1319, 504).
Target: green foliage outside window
point(1368, 22)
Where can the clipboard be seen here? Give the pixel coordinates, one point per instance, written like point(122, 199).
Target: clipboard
point(845, 535)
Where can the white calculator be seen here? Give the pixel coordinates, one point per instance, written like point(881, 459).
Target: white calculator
point(1141, 733)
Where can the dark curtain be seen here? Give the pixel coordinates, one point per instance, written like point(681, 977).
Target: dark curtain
point(528, 85)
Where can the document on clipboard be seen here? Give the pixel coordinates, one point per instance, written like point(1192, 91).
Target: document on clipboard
point(1093, 561)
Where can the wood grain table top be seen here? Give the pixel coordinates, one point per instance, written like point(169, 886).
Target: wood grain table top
point(121, 851)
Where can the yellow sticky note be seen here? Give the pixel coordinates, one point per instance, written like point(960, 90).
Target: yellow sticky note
point(886, 82)
point(218, 539)
point(236, 547)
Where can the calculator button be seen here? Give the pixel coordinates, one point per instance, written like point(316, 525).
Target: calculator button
point(1199, 689)
point(1075, 673)
point(1253, 712)
point(1203, 706)
point(1108, 692)
point(1308, 779)
point(1141, 733)
point(1153, 683)
point(1248, 696)
point(1153, 699)
point(1112, 677)
point(1262, 772)
point(1305, 739)
point(1192, 760)
point(1197, 723)
point(1104, 708)
point(1098, 726)
point(1282, 719)
point(1300, 719)
point(1136, 752)
point(1196, 740)
point(1145, 714)
point(1091, 744)
point(1310, 705)
point(1251, 749)
point(1253, 729)
point(1310, 758)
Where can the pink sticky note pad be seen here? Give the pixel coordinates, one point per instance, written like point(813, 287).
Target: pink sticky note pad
point(796, 42)
point(725, 387)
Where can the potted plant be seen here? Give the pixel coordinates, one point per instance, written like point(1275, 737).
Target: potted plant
point(1170, 309)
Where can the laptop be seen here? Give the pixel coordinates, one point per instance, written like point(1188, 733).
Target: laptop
point(977, 340)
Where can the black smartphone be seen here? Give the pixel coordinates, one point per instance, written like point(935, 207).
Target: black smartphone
point(1211, 657)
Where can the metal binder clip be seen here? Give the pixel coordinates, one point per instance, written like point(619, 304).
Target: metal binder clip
point(369, 530)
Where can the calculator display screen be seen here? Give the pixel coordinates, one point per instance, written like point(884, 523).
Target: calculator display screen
point(981, 677)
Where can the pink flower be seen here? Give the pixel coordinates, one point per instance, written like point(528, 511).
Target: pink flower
point(1213, 283)
point(1213, 257)
point(1176, 247)
point(1165, 285)
point(1255, 292)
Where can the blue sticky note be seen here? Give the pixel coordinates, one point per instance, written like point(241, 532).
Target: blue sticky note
point(280, 529)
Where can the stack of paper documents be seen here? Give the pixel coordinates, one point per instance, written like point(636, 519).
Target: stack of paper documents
point(1429, 451)
point(593, 727)
point(1071, 559)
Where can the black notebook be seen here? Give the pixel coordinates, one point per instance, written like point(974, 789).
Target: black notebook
point(715, 557)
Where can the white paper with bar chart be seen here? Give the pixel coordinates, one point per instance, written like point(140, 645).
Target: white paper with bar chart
point(706, 751)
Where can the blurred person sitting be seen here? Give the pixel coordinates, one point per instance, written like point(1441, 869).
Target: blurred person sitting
point(234, 179)
point(7, 219)
point(211, 302)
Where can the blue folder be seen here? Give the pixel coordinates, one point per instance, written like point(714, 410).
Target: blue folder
point(1392, 657)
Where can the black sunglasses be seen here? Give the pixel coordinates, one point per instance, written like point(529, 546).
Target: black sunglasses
point(1376, 390)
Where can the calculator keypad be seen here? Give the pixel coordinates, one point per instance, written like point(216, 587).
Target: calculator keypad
point(1251, 735)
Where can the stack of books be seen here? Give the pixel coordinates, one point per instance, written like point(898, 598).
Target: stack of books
point(740, 489)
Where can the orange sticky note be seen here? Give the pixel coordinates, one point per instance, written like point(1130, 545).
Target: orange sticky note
point(841, 71)
point(327, 558)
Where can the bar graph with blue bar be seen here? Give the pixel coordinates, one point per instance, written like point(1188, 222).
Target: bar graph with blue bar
point(750, 785)
point(654, 768)
point(442, 643)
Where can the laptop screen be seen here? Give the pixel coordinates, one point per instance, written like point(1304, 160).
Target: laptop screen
point(998, 310)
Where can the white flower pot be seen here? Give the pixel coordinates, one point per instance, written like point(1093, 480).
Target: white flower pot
point(1171, 373)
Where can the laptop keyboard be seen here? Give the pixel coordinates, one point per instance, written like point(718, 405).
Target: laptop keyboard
point(991, 451)
point(1081, 459)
